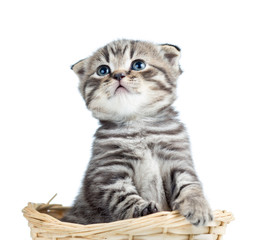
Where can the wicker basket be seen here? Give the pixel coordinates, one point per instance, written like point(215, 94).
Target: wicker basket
point(44, 224)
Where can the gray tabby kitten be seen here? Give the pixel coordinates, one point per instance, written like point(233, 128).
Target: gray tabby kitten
point(141, 161)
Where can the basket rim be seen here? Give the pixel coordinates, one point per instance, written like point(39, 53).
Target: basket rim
point(165, 219)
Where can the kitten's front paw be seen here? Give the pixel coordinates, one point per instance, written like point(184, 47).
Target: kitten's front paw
point(145, 209)
point(196, 210)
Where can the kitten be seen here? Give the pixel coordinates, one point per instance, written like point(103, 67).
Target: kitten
point(141, 161)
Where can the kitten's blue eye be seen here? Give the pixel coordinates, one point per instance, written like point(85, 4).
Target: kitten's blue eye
point(138, 65)
point(103, 70)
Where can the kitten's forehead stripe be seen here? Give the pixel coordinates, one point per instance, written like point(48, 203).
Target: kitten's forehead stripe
point(118, 50)
point(132, 49)
point(124, 50)
point(112, 50)
point(105, 53)
point(98, 59)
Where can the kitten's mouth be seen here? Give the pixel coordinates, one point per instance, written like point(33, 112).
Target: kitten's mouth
point(120, 89)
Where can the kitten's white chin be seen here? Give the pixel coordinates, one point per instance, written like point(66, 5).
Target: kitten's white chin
point(123, 105)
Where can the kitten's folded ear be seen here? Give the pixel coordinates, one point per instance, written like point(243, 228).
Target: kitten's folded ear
point(171, 53)
point(79, 67)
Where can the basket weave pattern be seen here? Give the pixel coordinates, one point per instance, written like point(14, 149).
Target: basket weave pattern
point(44, 225)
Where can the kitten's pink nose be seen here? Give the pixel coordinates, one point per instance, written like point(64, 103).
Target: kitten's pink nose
point(118, 76)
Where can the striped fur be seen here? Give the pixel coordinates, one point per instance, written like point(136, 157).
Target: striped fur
point(141, 161)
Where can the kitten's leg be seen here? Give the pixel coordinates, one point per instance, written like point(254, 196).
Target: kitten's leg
point(111, 190)
point(187, 196)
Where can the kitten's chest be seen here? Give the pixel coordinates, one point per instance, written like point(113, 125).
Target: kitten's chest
point(147, 178)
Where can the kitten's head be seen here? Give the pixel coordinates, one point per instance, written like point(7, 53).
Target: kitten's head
point(129, 79)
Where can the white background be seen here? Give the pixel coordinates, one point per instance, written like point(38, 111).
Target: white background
point(46, 130)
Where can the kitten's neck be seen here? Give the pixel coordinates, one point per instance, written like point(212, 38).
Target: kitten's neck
point(164, 114)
